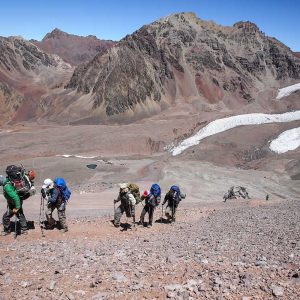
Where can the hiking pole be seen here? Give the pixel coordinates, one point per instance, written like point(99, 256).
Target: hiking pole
point(162, 213)
point(16, 221)
point(42, 211)
point(173, 211)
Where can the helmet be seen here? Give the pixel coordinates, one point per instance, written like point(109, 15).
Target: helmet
point(2, 180)
point(146, 193)
point(47, 183)
point(31, 175)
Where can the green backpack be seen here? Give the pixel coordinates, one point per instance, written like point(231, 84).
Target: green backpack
point(135, 191)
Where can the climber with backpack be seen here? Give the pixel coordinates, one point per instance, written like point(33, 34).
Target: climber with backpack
point(57, 195)
point(127, 204)
point(173, 197)
point(152, 200)
point(17, 186)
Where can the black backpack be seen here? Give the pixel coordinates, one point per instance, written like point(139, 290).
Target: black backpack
point(17, 176)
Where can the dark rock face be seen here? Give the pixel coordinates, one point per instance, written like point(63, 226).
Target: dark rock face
point(181, 49)
point(72, 48)
point(17, 52)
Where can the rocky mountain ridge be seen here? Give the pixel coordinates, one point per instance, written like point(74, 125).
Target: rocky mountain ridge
point(26, 72)
point(72, 48)
point(183, 58)
point(178, 61)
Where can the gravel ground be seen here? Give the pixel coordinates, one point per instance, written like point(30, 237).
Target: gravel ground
point(235, 250)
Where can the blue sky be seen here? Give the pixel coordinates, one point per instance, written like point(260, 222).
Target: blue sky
point(114, 19)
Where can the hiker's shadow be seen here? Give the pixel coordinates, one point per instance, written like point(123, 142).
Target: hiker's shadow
point(30, 226)
point(162, 221)
point(125, 226)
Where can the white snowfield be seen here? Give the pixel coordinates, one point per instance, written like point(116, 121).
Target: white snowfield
point(224, 124)
point(284, 92)
point(77, 156)
point(286, 141)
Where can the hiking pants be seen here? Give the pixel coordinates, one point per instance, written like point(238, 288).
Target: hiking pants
point(61, 212)
point(147, 209)
point(171, 212)
point(8, 214)
point(130, 212)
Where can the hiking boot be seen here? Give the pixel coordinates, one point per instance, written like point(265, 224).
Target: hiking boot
point(149, 225)
point(63, 230)
point(25, 232)
point(4, 233)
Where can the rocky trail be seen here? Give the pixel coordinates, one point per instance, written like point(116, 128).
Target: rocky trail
point(241, 249)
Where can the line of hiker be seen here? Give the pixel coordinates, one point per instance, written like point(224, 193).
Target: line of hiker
point(129, 196)
point(18, 185)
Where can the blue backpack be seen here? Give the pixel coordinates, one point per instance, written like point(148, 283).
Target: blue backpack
point(175, 188)
point(62, 186)
point(155, 190)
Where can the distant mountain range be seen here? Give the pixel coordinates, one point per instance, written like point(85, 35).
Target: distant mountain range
point(178, 60)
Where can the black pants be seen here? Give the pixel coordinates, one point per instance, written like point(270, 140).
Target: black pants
point(8, 214)
point(147, 209)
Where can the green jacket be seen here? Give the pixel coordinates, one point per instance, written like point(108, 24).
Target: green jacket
point(11, 195)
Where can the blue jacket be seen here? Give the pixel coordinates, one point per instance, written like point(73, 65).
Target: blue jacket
point(54, 195)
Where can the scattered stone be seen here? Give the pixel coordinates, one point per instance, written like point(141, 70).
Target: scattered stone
point(52, 285)
point(277, 291)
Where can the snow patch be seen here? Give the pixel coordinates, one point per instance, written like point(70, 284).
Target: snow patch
point(76, 156)
point(284, 92)
point(286, 141)
point(224, 124)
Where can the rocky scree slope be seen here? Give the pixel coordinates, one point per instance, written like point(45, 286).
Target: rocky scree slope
point(71, 48)
point(26, 72)
point(244, 250)
point(182, 58)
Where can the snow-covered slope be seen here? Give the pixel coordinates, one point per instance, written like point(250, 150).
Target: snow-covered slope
point(284, 92)
point(224, 124)
point(286, 141)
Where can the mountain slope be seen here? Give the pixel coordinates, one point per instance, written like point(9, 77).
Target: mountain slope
point(181, 58)
point(26, 73)
point(72, 48)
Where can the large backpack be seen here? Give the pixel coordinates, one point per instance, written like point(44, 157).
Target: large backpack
point(135, 191)
point(18, 178)
point(175, 193)
point(155, 190)
point(62, 186)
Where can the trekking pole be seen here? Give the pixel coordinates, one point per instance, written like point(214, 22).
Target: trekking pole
point(173, 211)
point(16, 221)
point(42, 211)
point(162, 213)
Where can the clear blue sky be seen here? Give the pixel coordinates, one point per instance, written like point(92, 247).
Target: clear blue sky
point(114, 19)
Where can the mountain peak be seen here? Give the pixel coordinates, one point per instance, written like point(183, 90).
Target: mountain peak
point(246, 26)
point(55, 33)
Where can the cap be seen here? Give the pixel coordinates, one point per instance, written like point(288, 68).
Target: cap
point(123, 186)
point(47, 183)
point(146, 193)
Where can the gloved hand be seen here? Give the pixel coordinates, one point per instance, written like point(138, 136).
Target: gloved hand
point(15, 210)
point(43, 192)
point(115, 201)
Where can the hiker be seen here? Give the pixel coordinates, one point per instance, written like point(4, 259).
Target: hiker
point(55, 200)
point(173, 197)
point(127, 204)
point(14, 207)
point(152, 200)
